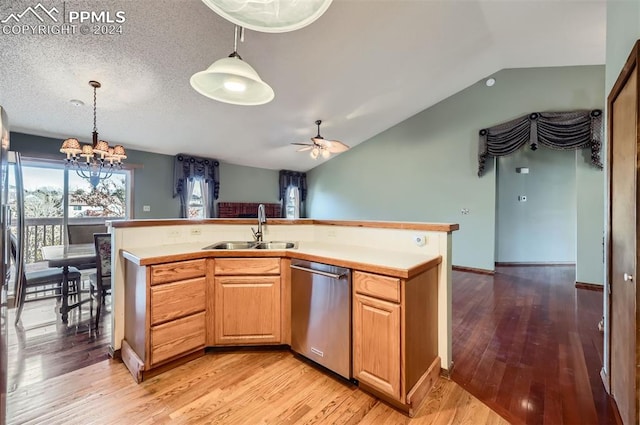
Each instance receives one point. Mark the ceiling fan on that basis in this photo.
(321, 146)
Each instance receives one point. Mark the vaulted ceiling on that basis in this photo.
(362, 67)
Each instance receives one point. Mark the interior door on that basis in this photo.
(623, 137)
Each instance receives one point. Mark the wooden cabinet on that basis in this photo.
(247, 306)
(164, 314)
(376, 344)
(395, 343)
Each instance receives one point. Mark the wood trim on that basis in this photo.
(186, 222)
(172, 364)
(210, 338)
(132, 361)
(590, 286)
(435, 227)
(285, 303)
(421, 389)
(624, 75)
(473, 270)
(534, 264)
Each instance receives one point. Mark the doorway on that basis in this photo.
(536, 207)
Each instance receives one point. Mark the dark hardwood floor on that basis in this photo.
(526, 343)
(41, 347)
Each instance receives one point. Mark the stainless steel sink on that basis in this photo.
(275, 245)
(252, 245)
(232, 245)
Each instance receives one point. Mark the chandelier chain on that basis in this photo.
(95, 128)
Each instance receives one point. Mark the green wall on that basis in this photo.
(153, 178)
(523, 229)
(425, 168)
(623, 29)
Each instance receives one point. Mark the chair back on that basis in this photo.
(102, 243)
(83, 233)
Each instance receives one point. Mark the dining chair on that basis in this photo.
(83, 233)
(33, 284)
(101, 279)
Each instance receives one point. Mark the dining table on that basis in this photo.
(65, 256)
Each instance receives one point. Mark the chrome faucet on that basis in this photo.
(262, 219)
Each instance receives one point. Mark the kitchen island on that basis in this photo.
(173, 299)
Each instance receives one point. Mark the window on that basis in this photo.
(47, 184)
(292, 202)
(196, 203)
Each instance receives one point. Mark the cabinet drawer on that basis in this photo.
(178, 337)
(181, 270)
(377, 286)
(247, 266)
(178, 299)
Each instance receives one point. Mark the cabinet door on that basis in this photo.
(247, 309)
(376, 344)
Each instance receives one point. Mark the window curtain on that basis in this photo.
(187, 169)
(297, 179)
(555, 130)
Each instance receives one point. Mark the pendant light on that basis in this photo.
(270, 15)
(232, 80)
(100, 159)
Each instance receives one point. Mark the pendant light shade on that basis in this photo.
(270, 15)
(232, 80)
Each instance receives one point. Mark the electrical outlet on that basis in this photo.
(146, 208)
(464, 211)
(196, 231)
(173, 233)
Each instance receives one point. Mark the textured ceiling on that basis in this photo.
(364, 66)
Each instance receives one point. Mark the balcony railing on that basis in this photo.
(47, 231)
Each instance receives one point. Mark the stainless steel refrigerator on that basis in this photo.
(5, 214)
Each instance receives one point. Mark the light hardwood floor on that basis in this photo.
(245, 387)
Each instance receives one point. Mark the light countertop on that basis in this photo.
(392, 263)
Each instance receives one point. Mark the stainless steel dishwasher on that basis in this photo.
(321, 314)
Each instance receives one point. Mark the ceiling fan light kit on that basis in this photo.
(321, 147)
(232, 80)
(270, 15)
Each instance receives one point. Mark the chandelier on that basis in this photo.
(100, 159)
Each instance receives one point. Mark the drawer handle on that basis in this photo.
(327, 274)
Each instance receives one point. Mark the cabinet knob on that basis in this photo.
(628, 277)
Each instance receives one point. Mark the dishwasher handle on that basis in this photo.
(327, 274)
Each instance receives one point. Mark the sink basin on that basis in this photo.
(252, 245)
(275, 245)
(232, 245)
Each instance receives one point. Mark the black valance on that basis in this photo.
(556, 130)
(293, 178)
(191, 167)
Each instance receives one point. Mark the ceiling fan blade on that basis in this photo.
(302, 144)
(335, 146)
(304, 148)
